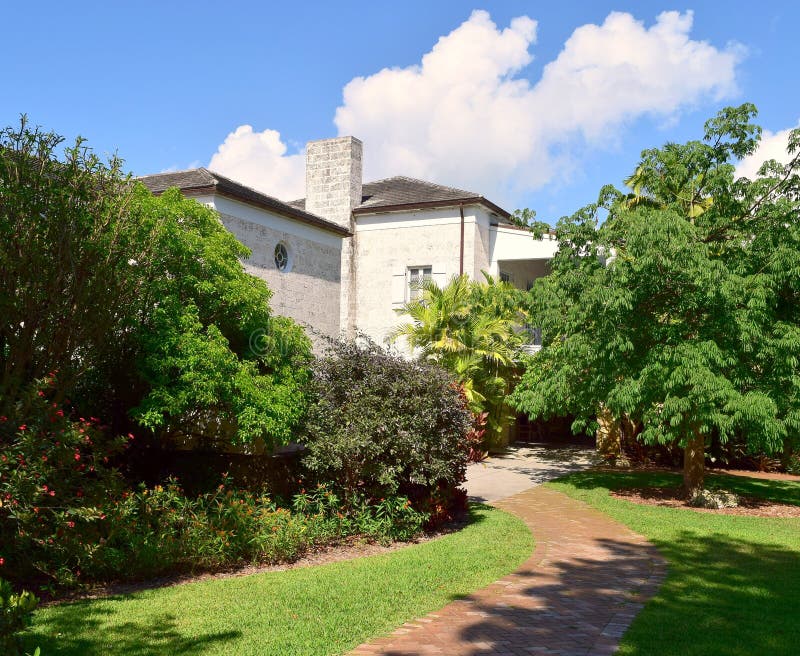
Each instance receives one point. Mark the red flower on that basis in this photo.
(60, 413)
(3, 418)
(71, 524)
(2, 561)
(52, 493)
(77, 456)
(40, 393)
(23, 427)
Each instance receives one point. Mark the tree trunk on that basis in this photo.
(694, 463)
(786, 453)
(608, 438)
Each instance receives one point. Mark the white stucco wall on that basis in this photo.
(518, 244)
(310, 291)
(388, 244)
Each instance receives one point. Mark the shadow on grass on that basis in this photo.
(732, 591)
(66, 630)
(564, 609)
(777, 491)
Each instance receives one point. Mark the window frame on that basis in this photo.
(425, 270)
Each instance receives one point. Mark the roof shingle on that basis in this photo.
(402, 192)
(201, 180)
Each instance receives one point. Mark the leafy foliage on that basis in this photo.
(140, 303)
(56, 478)
(66, 516)
(380, 425)
(472, 329)
(679, 311)
(211, 354)
(16, 613)
(526, 218)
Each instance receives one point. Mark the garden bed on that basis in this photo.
(350, 548)
(669, 497)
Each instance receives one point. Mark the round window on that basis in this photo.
(282, 261)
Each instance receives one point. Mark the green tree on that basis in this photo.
(140, 303)
(472, 329)
(680, 310)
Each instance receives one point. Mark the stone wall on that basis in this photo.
(387, 244)
(333, 178)
(333, 189)
(309, 292)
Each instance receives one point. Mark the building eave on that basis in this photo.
(432, 204)
(279, 208)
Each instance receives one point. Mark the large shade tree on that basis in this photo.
(677, 306)
(140, 304)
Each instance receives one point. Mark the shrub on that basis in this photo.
(714, 499)
(142, 303)
(16, 611)
(380, 425)
(56, 476)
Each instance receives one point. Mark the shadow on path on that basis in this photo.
(585, 582)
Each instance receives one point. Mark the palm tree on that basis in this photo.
(463, 328)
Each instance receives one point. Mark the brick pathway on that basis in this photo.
(587, 579)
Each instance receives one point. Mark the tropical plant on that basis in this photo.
(472, 329)
(691, 328)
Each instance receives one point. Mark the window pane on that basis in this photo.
(416, 276)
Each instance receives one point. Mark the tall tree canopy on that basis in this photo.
(677, 306)
(140, 303)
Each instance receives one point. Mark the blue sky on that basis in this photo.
(171, 85)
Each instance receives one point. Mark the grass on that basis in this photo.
(326, 609)
(733, 587)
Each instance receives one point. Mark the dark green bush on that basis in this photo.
(16, 611)
(380, 425)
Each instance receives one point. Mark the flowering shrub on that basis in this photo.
(391, 518)
(66, 516)
(56, 477)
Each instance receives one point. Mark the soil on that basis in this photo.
(676, 498)
(350, 549)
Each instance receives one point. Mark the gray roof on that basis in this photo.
(202, 181)
(401, 192)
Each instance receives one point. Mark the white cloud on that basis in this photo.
(259, 160)
(466, 115)
(773, 145)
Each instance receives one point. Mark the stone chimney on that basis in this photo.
(333, 178)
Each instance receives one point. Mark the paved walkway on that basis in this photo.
(586, 580)
(524, 466)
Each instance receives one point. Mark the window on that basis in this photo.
(281, 256)
(416, 276)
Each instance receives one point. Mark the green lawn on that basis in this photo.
(734, 582)
(326, 609)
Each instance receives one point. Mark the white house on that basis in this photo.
(345, 257)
